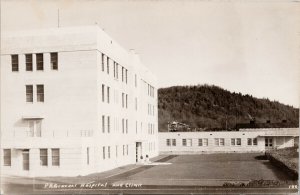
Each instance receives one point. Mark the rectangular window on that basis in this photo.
(216, 141)
(232, 141)
(103, 152)
(116, 151)
(117, 71)
(222, 142)
(200, 142)
(238, 141)
(28, 59)
(107, 63)
(55, 157)
(205, 142)
(108, 124)
(122, 100)
(123, 126)
(126, 71)
(39, 61)
(54, 61)
(122, 74)
(102, 62)
(183, 142)
(88, 155)
(40, 93)
(103, 124)
(103, 89)
(189, 142)
(123, 150)
(114, 69)
(7, 157)
(15, 63)
(135, 103)
(108, 152)
(255, 141)
(168, 142)
(127, 151)
(173, 142)
(29, 93)
(126, 126)
(126, 100)
(249, 142)
(44, 157)
(108, 94)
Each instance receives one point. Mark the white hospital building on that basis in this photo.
(73, 102)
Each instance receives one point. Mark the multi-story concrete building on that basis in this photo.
(73, 102)
(247, 140)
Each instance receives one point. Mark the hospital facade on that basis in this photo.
(242, 141)
(73, 102)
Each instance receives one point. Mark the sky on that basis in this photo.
(243, 46)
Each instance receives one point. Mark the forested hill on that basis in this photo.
(205, 106)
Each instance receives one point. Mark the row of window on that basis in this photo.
(55, 155)
(107, 125)
(39, 93)
(105, 61)
(106, 152)
(150, 128)
(150, 109)
(29, 61)
(150, 90)
(217, 142)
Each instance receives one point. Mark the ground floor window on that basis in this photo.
(236, 141)
(252, 142)
(7, 157)
(44, 157)
(173, 142)
(168, 142)
(55, 157)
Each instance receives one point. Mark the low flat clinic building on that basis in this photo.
(246, 140)
(73, 102)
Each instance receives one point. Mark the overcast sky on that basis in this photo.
(245, 46)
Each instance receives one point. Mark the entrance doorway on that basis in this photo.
(25, 154)
(138, 151)
(269, 142)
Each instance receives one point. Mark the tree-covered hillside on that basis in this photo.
(205, 106)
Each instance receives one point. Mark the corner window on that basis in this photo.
(54, 61)
(14, 63)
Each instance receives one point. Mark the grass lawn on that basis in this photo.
(214, 166)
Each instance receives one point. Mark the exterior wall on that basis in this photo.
(72, 110)
(279, 141)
